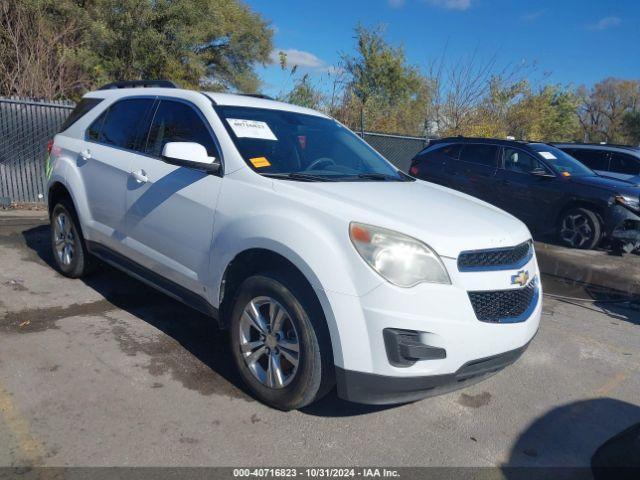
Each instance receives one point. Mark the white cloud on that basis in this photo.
(395, 3)
(605, 23)
(531, 16)
(451, 4)
(296, 57)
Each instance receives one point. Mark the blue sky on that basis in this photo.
(575, 41)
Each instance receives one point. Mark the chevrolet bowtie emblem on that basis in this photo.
(521, 278)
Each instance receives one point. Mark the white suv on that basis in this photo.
(327, 264)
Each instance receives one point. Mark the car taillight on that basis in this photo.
(414, 170)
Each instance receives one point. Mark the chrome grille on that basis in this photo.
(506, 258)
(505, 306)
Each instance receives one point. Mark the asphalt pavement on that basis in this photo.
(106, 371)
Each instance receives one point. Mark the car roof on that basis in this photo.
(609, 147)
(225, 99)
(493, 141)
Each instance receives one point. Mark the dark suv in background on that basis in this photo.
(618, 161)
(540, 184)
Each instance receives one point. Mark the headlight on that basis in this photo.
(398, 258)
(629, 202)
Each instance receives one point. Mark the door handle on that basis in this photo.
(140, 176)
(85, 154)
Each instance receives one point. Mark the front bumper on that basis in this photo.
(622, 225)
(443, 318)
(381, 389)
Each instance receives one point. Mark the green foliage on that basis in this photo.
(549, 114)
(604, 107)
(631, 127)
(305, 94)
(194, 42)
(381, 86)
(198, 43)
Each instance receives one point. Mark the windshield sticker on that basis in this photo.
(548, 155)
(260, 162)
(251, 129)
(566, 174)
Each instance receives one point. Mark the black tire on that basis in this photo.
(579, 228)
(80, 262)
(314, 375)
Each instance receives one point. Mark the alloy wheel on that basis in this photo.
(576, 230)
(269, 342)
(64, 238)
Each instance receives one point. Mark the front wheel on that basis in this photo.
(580, 228)
(280, 342)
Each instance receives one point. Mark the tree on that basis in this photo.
(603, 107)
(379, 74)
(212, 43)
(80, 44)
(39, 47)
(550, 114)
(471, 96)
(305, 94)
(631, 127)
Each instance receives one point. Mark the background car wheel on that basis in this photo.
(69, 250)
(580, 228)
(280, 342)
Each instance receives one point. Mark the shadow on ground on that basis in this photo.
(210, 368)
(602, 433)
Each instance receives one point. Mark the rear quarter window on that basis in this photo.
(82, 108)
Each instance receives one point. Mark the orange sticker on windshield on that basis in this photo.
(260, 162)
(566, 174)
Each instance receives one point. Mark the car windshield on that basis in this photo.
(562, 162)
(297, 146)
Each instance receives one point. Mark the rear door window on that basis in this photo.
(480, 154)
(623, 163)
(594, 159)
(123, 124)
(178, 122)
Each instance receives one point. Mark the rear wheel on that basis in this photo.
(67, 243)
(279, 342)
(580, 228)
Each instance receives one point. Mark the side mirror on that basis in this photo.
(542, 173)
(190, 155)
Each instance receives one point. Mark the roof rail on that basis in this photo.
(139, 84)
(473, 139)
(598, 144)
(256, 95)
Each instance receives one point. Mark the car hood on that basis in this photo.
(446, 220)
(611, 184)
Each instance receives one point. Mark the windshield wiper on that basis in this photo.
(383, 177)
(305, 177)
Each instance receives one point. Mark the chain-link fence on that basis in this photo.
(398, 149)
(26, 126)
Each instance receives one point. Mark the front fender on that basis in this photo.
(329, 263)
(325, 256)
